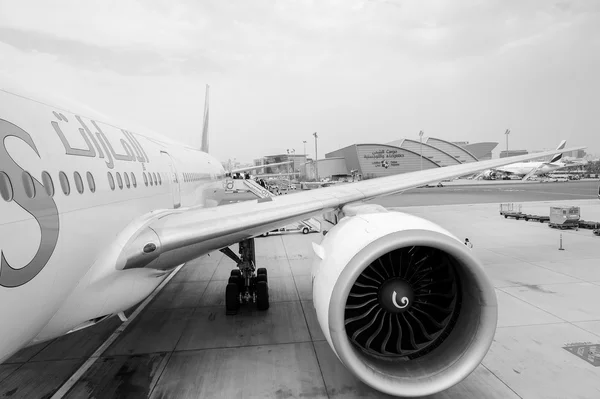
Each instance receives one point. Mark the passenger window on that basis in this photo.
(119, 180)
(111, 181)
(159, 179)
(78, 182)
(48, 183)
(91, 182)
(133, 179)
(28, 184)
(145, 179)
(6, 190)
(64, 183)
(126, 176)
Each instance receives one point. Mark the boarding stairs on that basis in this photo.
(256, 189)
(531, 173)
(250, 185)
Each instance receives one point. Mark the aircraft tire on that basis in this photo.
(236, 273)
(262, 295)
(232, 302)
(261, 277)
(261, 270)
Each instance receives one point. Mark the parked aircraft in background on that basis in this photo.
(93, 217)
(529, 169)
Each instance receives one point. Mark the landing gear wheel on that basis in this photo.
(305, 230)
(261, 270)
(232, 301)
(262, 295)
(236, 273)
(237, 280)
(261, 277)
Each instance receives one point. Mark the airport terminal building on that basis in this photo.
(401, 156)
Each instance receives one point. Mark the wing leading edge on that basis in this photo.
(181, 235)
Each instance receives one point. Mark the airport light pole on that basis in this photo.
(316, 157)
(421, 147)
(304, 142)
(507, 132)
(293, 164)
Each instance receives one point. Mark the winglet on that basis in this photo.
(204, 147)
(558, 157)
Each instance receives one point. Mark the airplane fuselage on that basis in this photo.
(523, 168)
(72, 189)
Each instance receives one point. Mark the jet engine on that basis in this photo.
(403, 303)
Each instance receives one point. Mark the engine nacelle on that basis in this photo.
(403, 303)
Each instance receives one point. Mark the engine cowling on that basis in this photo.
(404, 304)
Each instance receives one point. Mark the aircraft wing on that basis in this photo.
(244, 169)
(176, 236)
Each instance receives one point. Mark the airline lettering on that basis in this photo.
(100, 143)
(42, 208)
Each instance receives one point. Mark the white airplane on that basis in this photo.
(528, 169)
(93, 217)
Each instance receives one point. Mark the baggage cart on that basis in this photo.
(510, 208)
(564, 217)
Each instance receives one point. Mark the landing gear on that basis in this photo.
(232, 301)
(262, 295)
(246, 284)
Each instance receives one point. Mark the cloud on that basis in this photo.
(132, 60)
(350, 69)
(106, 23)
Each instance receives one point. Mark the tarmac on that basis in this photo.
(181, 345)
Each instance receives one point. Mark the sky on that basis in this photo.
(354, 71)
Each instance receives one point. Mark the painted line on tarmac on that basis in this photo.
(66, 387)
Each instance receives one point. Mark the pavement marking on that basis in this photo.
(66, 387)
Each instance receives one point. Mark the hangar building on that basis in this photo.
(400, 156)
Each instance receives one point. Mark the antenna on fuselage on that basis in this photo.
(204, 146)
